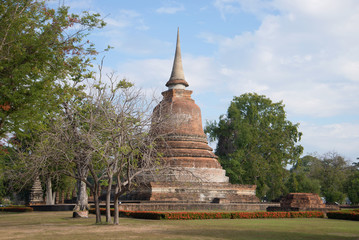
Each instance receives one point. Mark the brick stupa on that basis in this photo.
(36, 194)
(194, 173)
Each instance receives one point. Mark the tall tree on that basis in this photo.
(39, 47)
(332, 170)
(256, 142)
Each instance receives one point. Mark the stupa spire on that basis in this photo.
(177, 79)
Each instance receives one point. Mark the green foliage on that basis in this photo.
(299, 179)
(256, 142)
(353, 188)
(63, 183)
(40, 50)
(301, 183)
(326, 175)
(6, 154)
(332, 171)
(334, 177)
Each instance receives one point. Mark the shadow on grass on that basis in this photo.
(249, 234)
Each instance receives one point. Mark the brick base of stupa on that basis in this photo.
(196, 192)
(194, 206)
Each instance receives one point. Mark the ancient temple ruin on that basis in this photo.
(36, 194)
(194, 173)
(302, 202)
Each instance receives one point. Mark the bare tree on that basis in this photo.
(125, 142)
(104, 135)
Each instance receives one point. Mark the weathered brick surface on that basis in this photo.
(198, 192)
(180, 112)
(185, 144)
(191, 161)
(302, 200)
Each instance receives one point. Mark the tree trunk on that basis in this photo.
(116, 218)
(54, 198)
(116, 214)
(82, 198)
(97, 205)
(115, 210)
(108, 200)
(49, 196)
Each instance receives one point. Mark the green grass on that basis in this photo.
(60, 225)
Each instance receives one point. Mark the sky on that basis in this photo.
(302, 52)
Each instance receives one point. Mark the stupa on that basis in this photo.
(194, 173)
(36, 194)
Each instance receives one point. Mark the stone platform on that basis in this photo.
(197, 192)
(195, 206)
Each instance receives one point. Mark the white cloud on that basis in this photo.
(227, 6)
(171, 8)
(258, 7)
(306, 53)
(297, 55)
(126, 19)
(339, 137)
(126, 32)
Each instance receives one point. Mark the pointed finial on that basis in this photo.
(177, 79)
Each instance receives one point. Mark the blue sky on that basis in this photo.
(302, 52)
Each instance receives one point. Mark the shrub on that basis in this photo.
(248, 215)
(16, 209)
(345, 215)
(213, 215)
(195, 215)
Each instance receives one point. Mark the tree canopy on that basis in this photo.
(256, 142)
(300, 178)
(39, 47)
(353, 187)
(329, 175)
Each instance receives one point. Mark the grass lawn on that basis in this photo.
(60, 225)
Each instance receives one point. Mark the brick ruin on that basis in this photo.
(194, 173)
(302, 202)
